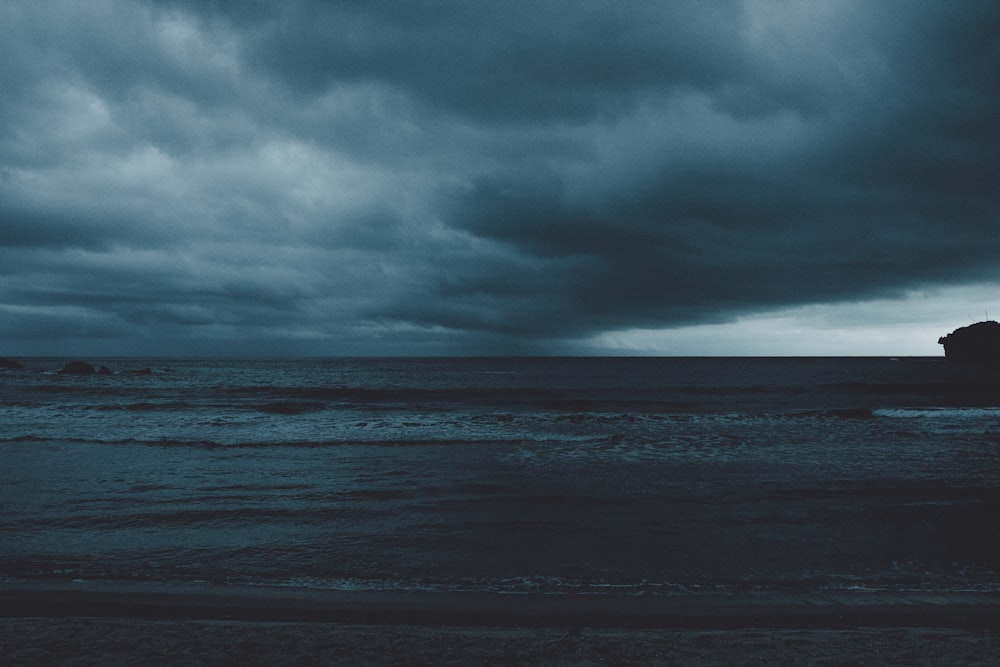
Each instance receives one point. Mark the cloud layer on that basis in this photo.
(430, 177)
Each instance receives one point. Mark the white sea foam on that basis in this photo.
(939, 413)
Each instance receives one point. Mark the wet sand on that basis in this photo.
(115, 641)
(85, 627)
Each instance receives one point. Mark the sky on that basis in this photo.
(441, 177)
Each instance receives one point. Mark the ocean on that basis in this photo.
(796, 477)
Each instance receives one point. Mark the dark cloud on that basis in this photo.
(510, 62)
(471, 177)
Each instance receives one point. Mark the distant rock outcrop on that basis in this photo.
(977, 343)
(9, 363)
(77, 368)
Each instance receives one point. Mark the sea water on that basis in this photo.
(567, 476)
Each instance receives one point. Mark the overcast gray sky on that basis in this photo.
(457, 177)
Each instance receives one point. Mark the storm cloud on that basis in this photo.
(482, 177)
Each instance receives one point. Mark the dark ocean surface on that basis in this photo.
(675, 476)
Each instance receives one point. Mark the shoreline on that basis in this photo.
(76, 641)
(44, 625)
(955, 610)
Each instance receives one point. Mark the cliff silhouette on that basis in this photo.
(977, 343)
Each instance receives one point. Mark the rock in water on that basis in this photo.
(977, 343)
(9, 363)
(77, 368)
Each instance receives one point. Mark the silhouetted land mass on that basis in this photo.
(77, 368)
(9, 363)
(977, 343)
(83, 368)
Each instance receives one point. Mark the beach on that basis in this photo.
(43, 627)
(119, 641)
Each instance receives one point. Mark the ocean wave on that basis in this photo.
(291, 407)
(194, 517)
(146, 406)
(507, 403)
(283, 444)
(940, 413)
